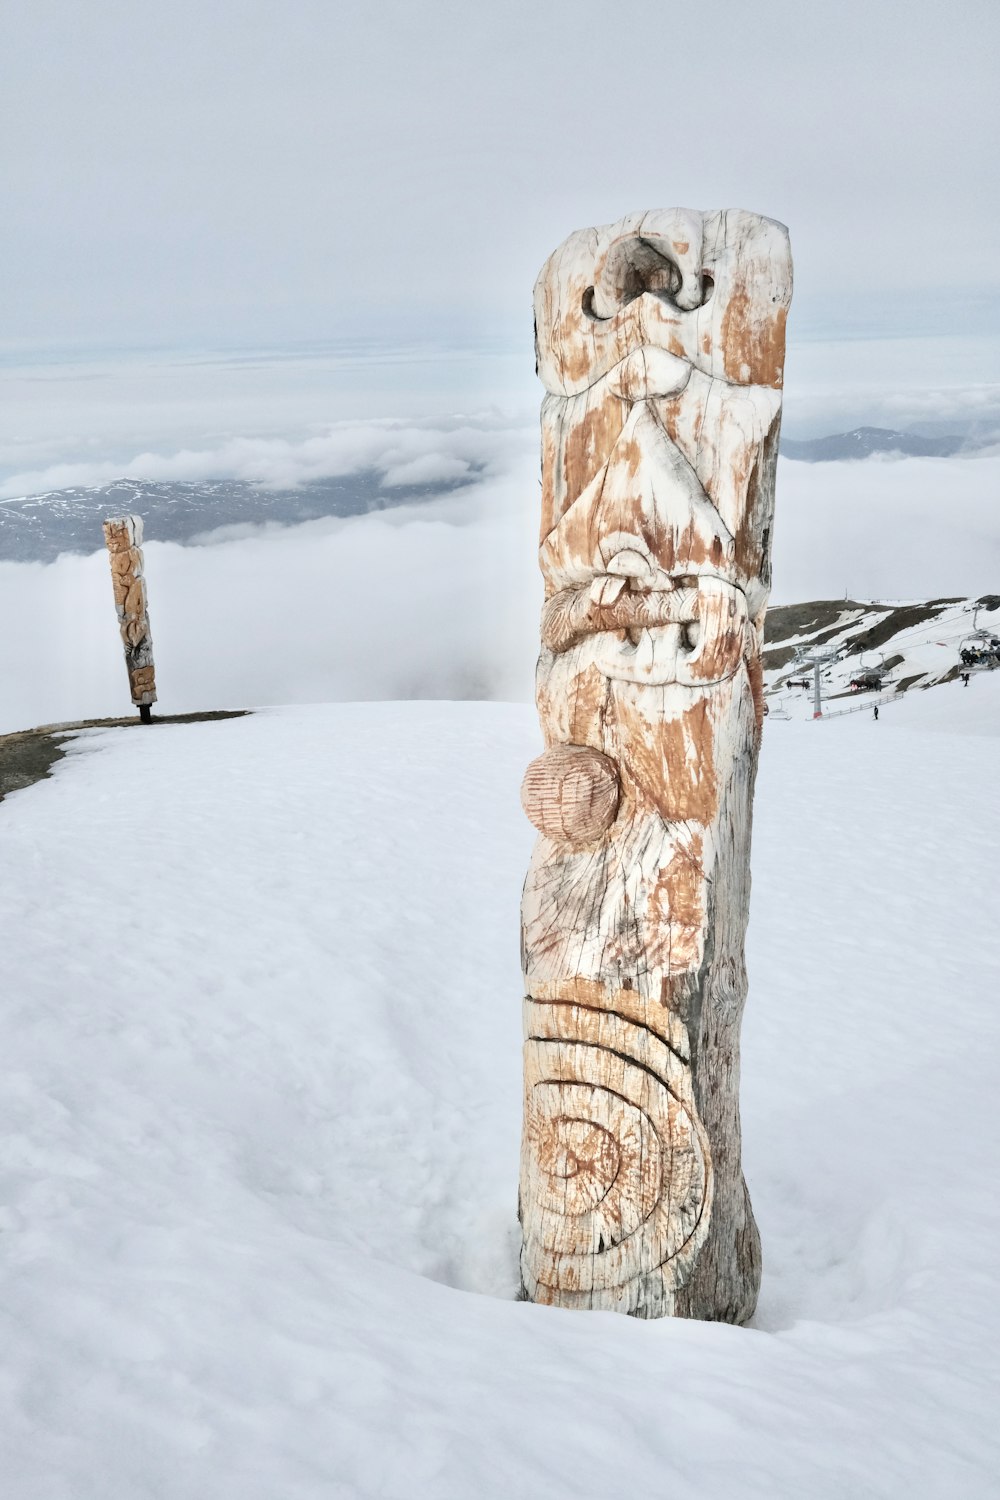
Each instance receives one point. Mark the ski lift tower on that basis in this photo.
(816, 661)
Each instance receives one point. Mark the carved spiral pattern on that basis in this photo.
(615, 1169)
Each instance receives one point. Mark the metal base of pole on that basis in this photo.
(145, 713)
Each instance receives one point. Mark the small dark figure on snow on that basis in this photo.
(965, 679)
(876, 710)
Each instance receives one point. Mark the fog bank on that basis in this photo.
(441, 600)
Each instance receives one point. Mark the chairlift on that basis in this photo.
(870, 677)
(979, 651)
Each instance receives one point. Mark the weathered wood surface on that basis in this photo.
(123, 537)
(660, 341)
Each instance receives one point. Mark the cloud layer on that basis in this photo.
(404, 453)
(441, 600)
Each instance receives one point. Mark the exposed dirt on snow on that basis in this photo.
(29, 756)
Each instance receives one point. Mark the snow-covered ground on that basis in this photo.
(260, 1109)
(919, 646)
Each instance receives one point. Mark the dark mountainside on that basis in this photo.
(863, 442)
(901, 645)
(39, 527)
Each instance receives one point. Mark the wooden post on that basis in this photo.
(660, 342)
(123, 536)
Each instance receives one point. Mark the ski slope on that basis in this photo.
(909, 644)
(260, 1109)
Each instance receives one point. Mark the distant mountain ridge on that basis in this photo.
(37, 528)
(864, 442)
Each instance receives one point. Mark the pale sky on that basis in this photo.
(240, 170)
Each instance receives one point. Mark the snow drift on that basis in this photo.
(260, 1107)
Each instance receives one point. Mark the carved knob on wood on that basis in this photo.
(571, 793)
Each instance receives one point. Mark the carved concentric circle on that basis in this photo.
(589, 1149)
(615, 1173)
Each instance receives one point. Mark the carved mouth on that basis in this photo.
(655, 655)
(646, 637)
(603, 607)
(693, 632)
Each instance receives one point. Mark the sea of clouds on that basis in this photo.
(431, 600)
(438, 599)
(413, 452)
(284, 415)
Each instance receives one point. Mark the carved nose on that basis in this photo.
(667, 266)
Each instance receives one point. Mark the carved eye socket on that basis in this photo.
(623, 279)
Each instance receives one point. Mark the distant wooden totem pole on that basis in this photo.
(660, 342)
(123, 536)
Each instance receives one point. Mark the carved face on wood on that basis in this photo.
(660, 341)
(123, 538)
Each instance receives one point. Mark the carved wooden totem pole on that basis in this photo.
(660, 342)
(123, 536)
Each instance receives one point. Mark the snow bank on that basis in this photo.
(260, 1113)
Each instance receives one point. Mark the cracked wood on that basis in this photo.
(123, 538)
(660, 343)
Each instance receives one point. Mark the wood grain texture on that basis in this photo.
(571, 794)
(660, 342)
(123, 538)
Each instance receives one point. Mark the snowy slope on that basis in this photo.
(901, 645)
(260, 1111)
